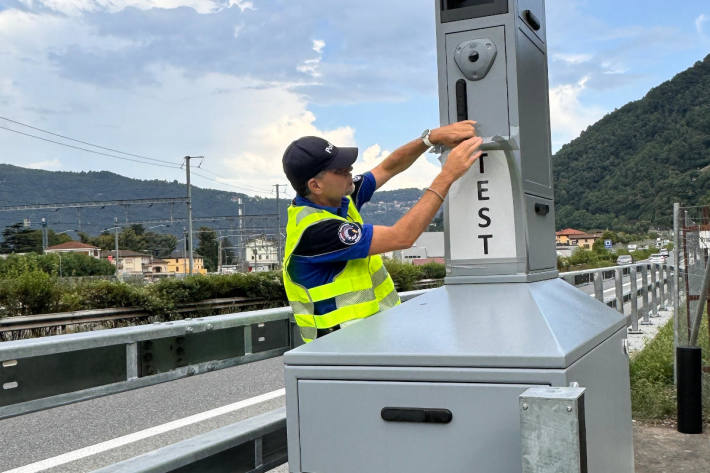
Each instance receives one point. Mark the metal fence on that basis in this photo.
(51, 371)
(693, 243)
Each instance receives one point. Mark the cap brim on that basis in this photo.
(345, 158)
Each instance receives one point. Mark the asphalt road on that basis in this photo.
(43, 435)
(56, 440)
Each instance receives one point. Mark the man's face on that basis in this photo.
(336, 183)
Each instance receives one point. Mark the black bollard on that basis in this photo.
(690, 389)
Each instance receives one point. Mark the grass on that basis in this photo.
(653, 395)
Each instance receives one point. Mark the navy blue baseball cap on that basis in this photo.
(307, 156)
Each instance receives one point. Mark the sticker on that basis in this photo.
(349, 233)
(357, 178)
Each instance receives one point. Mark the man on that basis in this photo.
(333, 274)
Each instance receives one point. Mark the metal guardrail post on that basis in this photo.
(598, 286)
(644, 295)
(553, 430)
(619, 286)
(634, 301)
(663, 277)
(654, 292)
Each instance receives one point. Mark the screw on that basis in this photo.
(569, 408)
(525, 406)
(473, 57)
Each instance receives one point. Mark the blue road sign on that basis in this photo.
(607, 244)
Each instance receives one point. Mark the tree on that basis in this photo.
(17, 239)
(207, 248)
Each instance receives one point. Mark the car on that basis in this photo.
(624, 259)
(657, 258)
(631, 247)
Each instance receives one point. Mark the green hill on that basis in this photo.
(22, 186)
(625, 171)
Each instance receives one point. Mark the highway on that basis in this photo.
(88, 435)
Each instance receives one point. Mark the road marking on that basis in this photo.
(143, 434)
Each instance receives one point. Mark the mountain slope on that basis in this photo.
(625, 171)
(22, 186)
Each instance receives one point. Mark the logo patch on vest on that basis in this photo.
(357, 178)
(349, 233)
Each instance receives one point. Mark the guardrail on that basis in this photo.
(39, 373)
(14, 325)
(62, 319)
(50, 371)
(655, 288)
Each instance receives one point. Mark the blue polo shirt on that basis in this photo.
(326, 247)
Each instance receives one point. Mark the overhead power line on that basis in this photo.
(86, 142)
(240, 187)
(90, 150)
(108, 203)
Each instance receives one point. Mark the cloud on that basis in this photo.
(699, 21)
(568, 116)
(312, 66)
(419, 175)
(52, 165)
(78, 7)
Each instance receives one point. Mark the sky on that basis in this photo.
(236, 81)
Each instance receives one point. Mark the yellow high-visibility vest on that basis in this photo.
(362, 288)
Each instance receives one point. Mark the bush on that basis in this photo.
(33, 292)
(404, 275)
(433, 270)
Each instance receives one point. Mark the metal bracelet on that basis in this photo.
(435, 192)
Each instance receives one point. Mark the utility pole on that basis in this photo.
(45, 239)
(189, 207)
(278, 224)
(184, 250)
(115, 223)
(219, 254)
(239, 243)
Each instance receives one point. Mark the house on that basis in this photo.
(178, 263)
(262, 254)
(129, 261)
(75, 247)
(428, 248)
(563, 236)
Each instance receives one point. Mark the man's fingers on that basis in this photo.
(472, 159)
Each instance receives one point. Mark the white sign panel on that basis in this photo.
(481, 219)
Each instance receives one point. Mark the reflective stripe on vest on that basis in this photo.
(362, 288)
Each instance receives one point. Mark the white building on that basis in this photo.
(262, 254)
(429, 246)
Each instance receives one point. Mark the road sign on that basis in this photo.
(607, 244)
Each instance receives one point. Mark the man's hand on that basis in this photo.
(461, 158)
(452, 135)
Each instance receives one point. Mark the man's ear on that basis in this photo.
(313, 186)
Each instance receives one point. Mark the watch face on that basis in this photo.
(425, 133)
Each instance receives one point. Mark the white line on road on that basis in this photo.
(136, 436)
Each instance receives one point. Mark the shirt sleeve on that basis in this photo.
(364, 188)
(334, 240)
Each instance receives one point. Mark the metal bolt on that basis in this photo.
(210, 326)
(525, 406)
(188, 330)
(473, 57)
(569, 408)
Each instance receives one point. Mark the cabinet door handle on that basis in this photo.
(531, 20)
(416, 414)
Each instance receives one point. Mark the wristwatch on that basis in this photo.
(425, 138)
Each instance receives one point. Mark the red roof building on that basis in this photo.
(75, 247)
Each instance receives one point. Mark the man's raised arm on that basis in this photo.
(404, 156)
(405, 232)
